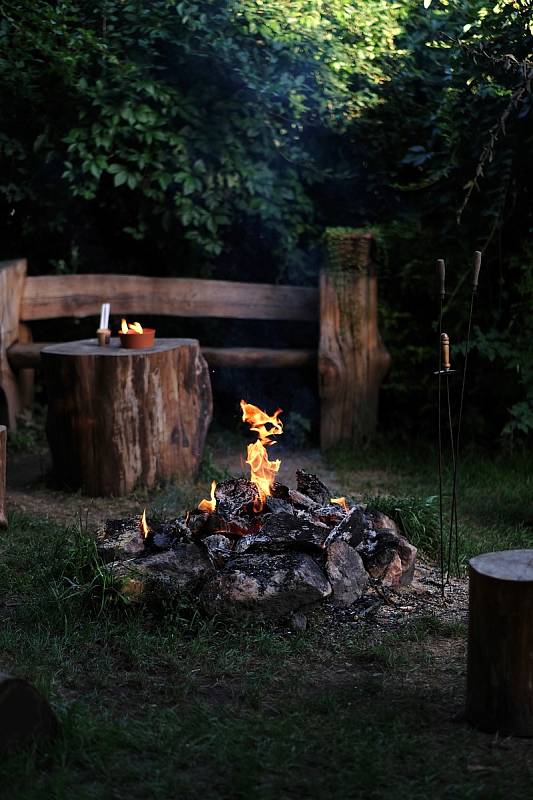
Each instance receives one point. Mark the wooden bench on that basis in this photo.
(350, 356)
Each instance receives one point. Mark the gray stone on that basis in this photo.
(298, 621)
(268, 584)
(218, 549)
(346, 573)
(388, 557)
(184, 568)
(120, 539)
(311, 486)
(380, 521)
(352, 528)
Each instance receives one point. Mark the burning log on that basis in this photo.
(119, 417)
(257, 545)
(284, 531)
(236, 497)
(311, 486)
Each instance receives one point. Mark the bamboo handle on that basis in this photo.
(445, 345)
(477, 267)
(442, 275)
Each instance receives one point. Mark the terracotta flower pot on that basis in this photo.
(137, 341)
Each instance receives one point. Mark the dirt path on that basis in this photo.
(29, 492)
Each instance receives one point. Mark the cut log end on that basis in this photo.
(25, 715)
(500, 643)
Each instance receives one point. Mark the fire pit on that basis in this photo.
(258, 545)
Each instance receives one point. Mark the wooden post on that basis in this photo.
(500, 643)
(3, 462)
(118, 418)
(25, 715)
(12, 277)
(352, 358)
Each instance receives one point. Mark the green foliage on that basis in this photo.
(185, 120)
(202, 135)
(416, 517)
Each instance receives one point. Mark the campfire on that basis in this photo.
(259, 545)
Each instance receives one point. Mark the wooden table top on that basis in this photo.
(506, 565)
(90, 347)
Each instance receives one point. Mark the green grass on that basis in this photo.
(162, 703)
(495, 491)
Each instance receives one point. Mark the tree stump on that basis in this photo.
(25, 715)
(118, 418)
(352, 360)
(3, 445)
(500, 643)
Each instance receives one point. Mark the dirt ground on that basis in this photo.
(29, 489)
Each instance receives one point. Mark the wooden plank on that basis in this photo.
(3, 448)
(52, 296)
(12, 279)
(261, 357)
(25, 356)
(352, 360)
(22, 356)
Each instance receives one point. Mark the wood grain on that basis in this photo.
(352, 359)
(500, 643)
(119, 418)
(22, 356)
(52, 296)
(12, 279)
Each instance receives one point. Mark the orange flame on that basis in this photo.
(209, 505)
(341, 501)
(262, 471)
(132, 327)
(145, 528)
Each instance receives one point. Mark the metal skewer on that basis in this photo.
(453, 515)
(441, 267)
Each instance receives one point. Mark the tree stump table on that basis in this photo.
(500, 643)
(118, 418)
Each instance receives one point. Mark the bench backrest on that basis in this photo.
(52, 296)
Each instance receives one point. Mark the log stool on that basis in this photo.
(118, 417)
(500, 643)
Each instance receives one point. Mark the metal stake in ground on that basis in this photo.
(441, 267)
(446, 370)
(453, 514)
